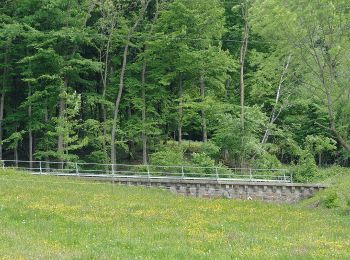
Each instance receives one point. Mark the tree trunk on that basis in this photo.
(180, 108)
(61, 115)
(30, 134)
(104, 76)
(2, 103)
(117, 102)
(47, 165)
(131, 143)
(320, 159)
(340, 139)
(204, 120)
(144, 136)
(121, 83)
(274, 114)
(327, 91)
(243, 52)
(143, 87)
(15, 154)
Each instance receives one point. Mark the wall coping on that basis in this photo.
(208, 181)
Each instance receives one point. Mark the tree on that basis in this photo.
(316, 33)
(138, 19)
(317, 145)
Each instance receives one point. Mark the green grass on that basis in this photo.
(337, 196)
(51, 217)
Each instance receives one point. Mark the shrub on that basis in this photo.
(306, 169)
(330, 200)
(202, 160)
(169, 156)
(267, 161)
(210, 149)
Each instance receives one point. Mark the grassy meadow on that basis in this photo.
(45, 217)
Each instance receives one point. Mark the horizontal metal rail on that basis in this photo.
(149, 171)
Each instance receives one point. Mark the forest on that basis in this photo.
(237, 83)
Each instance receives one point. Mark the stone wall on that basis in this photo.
(266, 191)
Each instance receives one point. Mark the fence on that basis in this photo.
(149, 171)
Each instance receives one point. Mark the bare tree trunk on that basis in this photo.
(104, 141)
(2, 103)
(204, 120)
(103, 108)
(47, 166)
(30, 134)
(333, 127)
(104, 76)
(117, 102)
(320, 159)
(121, 82)
(144, 109)
(275, 114)
(61, 115)
(180, 108)
(131, 143)
(144, 136)
(327, 91)
(243, 52)
(340, 139)
(15, 154)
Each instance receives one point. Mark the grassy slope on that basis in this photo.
(48, 217)
(337, 195)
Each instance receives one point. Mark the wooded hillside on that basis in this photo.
(240, 83)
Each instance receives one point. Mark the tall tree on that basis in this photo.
(316, 33)
(138, 19)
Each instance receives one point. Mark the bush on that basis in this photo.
(169, 156)
(210, 149)
(267, 161)
(202, 160)
(306, 169)
(330, 200)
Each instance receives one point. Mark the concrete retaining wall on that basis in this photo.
(266, 191)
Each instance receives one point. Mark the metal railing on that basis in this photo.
(149, 171)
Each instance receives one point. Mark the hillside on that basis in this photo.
(235, 83)
(337, 196)
(51, 217)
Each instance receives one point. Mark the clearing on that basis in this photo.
(56, 217)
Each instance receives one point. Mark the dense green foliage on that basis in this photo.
(55, 217)
(259, 83)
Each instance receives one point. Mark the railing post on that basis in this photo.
(3, 164)
(217, 173)
(182, 172)
(291, 177)
(40, 167)
(250, 174)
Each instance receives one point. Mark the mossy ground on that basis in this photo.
(54, 217)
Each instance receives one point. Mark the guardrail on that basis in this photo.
(149, 171)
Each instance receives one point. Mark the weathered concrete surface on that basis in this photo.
(266, 191)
